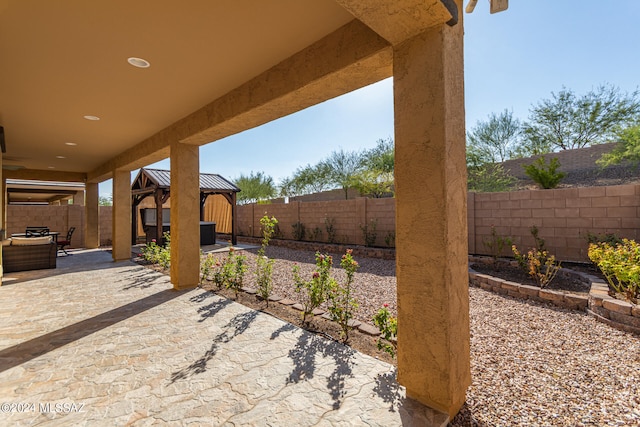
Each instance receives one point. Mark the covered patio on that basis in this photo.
(85, 102)
(108, 348)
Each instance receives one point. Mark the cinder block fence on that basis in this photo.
(564, 217)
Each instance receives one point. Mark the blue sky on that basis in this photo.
(513, 59)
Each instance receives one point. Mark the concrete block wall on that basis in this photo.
(105, 221)
(564, 217)
(570, 160)
(347, 217)
(56, 218)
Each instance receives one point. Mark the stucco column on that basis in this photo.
(78, 198)
(185, 215)
(121, 234)
(3, 213)
(4, 200)
(91, 212)
(431, 218)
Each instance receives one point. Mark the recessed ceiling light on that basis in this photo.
(138, 62)
(60, 157)
(51, 167)
(92, 117)
(71, 144)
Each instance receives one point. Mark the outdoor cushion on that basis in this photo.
(30, 241)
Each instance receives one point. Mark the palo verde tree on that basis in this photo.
(309, 179)
(343, 166)
(567, 121)
(628, 148)
(375, 177)
(255, 187)
(494, 140)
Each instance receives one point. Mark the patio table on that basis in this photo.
(54, 235)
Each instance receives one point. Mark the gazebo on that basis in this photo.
(157, 182)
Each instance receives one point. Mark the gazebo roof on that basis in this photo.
(151, 179)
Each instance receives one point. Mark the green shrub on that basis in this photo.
(264, 265)
(388, 326)
(298, 231)
(620, 264)
(207, 266)
(316, 234)
(495, 244)
(316, 289)
(331, 230)
(538, 263)
(369, 232)
(543, 174)
(156, 254)
(390, 239)
(489, 178)
(342, 305)
(233, 271)
(610, 238)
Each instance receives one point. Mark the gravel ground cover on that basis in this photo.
(532, 364)
(374, 285)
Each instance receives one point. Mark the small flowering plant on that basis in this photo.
(233, 271)
(538, 264)
(315, 290)
(156, 254)
(264, 265)
(388, 326)
(342, 305)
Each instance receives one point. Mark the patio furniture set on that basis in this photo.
(37, 248)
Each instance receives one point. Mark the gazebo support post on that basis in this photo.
(234, 222)
(159, 218)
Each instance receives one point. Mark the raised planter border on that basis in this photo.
(616, 313)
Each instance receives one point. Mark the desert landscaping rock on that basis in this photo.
(531, 363)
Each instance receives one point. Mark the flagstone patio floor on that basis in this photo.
(97, 342)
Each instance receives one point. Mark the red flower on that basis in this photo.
(349, 251)
(153, 240)
(316, 275)
(385, 305)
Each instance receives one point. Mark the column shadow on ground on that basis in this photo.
(23, 352)
(303, 355)
(236, 326)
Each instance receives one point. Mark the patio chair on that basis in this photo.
(66, 241)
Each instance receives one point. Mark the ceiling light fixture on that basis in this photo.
(93, 118)
(51, 167)
(139, 62)
(70, 144)
(60, 157)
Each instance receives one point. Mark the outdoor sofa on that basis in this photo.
(33, 253)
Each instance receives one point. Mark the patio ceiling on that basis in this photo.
(65, 60)
(40, 192)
